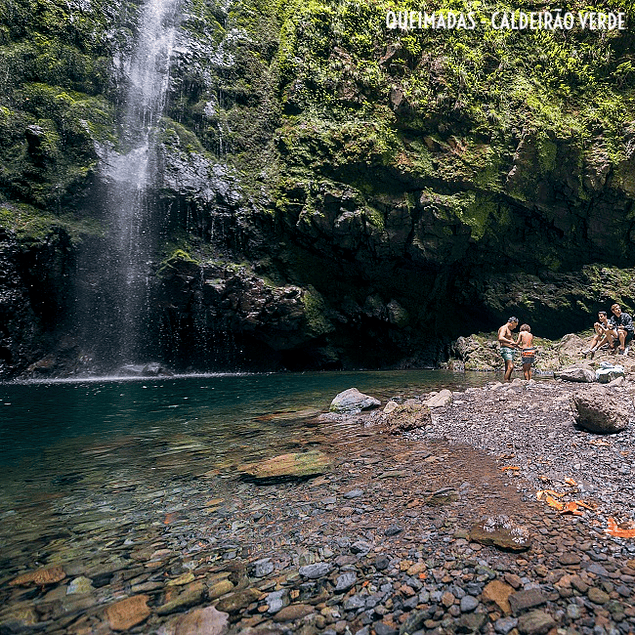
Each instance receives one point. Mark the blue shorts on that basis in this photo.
(507, 353)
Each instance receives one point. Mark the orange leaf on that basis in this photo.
(614, 529)
(550, 500)
(548, 492)
(586, 505)
(570, 481)
(572, 508)
(509, 467)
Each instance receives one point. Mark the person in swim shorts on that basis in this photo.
(527, 349)
(507, 345)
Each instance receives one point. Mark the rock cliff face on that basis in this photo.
(333, 193)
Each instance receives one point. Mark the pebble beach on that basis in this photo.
(499, 515)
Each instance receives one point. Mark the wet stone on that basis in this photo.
(293, 612)
(127, 613)
(523, 600)
(468, 603)
(315, 571)
(535, 623)
(189, 597)
(597, 596)
(345, 581)
(505, 624)
(471, 623)
(207, 621)
(567, 559)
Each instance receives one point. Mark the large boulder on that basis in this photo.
(577, 374)
(352, 401)
(596, 409)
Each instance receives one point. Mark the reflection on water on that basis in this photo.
(83, 461)
(219, 410)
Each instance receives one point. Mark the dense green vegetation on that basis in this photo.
(385, 172)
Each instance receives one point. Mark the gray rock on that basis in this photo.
(505, 625)
(354, 493)
(345, 581)
(317, 570)
(596, 409)
(354, 602)
(352, 401)
(442, 399)
(361, 547)
(263, 567)
(526, 599)
(468, 603)
(577, 374)
(384, 629)
(277, 600)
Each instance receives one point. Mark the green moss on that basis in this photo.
(314, 312)
(32, 225)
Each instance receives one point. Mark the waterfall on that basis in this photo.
(118, 312)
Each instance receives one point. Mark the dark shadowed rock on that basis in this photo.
(596, 409)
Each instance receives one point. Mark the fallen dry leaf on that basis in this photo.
(509, 467)
(572, 508)
(550, 500)
(550, 492)
(620, 531)
(570, 481)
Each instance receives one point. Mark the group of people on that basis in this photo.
(524, 342)
(617, 332)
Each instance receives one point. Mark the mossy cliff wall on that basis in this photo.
(335, 193)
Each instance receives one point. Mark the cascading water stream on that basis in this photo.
(120, 275)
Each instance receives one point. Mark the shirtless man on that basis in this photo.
(507, 345)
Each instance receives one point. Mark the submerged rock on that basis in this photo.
(295, 465)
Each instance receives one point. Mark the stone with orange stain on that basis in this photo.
(127, 613)
(208, 621)
(41, 577)
(498, 592)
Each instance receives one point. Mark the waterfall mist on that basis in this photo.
(113, 301)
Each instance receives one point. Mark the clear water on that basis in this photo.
(218, 409)
(87, 465)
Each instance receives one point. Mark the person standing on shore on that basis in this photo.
(507, 345)
(527, 349)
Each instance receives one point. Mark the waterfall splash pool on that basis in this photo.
(87, 465)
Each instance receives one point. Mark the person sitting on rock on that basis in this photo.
(527, 349)
(623, 323)
(604, 334)
(507, 345)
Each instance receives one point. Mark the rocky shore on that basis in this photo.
(486, 511)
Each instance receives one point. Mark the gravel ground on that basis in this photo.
(531, 425)
(393, 539)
